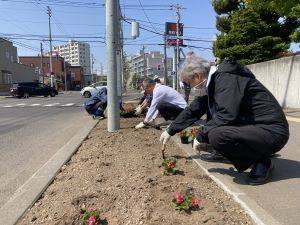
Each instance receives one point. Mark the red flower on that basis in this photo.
(92, 220)
(195, 202)
(179, 198)
(171, 165)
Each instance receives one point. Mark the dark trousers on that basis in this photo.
(245, 145)
(168, 111)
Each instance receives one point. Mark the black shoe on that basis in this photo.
(260, 173)
(214, 156)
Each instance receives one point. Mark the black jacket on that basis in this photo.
(234, 97)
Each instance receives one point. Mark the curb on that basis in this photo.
(256, 213)
(34, 187)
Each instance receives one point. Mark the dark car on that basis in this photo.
(26, 89)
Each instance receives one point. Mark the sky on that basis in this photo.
(79, 18)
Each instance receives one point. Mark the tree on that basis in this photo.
(127, 70)
(251, 34)
(285, 8)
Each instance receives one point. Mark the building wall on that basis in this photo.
(77, 79)
(35, 63)
(150, 61)
(10, 70)
(77, 54)
(282, 78)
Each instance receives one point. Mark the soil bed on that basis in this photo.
(121, 175)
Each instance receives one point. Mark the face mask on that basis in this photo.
(200, 89)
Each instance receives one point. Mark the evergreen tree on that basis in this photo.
(251, 34)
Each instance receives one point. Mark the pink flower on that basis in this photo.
(195, 202)
(179, 198)
(92, 220)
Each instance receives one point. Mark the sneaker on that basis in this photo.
(98, 117)
(214, 156)
(260, 173)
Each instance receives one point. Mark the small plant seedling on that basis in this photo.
(187, 202)
(91, 218)
(169, 166)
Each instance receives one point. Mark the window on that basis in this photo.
(48, 65)
(7, 78)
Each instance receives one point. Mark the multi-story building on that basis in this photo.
(150, 64)
(77, 54)
(75, 78)
(10, 70)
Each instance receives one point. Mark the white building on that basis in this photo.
(77, 54)
(150, 64)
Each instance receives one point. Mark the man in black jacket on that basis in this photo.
(245, 123)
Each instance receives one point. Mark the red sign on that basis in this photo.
(171, 29)
(173, 42)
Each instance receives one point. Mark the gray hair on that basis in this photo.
(193, 64)
(148, 82)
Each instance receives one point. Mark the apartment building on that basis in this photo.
(76, 53)
(150, 64)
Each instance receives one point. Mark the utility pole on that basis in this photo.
(65, 70)
(42, 68)
(113, 105)
(93, 68)
(50, 40)
(144, 61)
(165, 60)
(177, 51)
(177, 46)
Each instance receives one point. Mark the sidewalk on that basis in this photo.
(276, 202)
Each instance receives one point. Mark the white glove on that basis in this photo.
(138, 110)
(140, 125)
(198, 145)
(164, 137)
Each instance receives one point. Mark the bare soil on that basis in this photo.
(120, 174)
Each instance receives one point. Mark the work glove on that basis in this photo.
(197, 146)
(138, 111)
(164, 137)
(140, 125)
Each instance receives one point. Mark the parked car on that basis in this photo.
(27, 89)
(90, 90)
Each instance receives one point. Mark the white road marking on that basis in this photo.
(69, 104)
(7, 106)
(21, 104)
(35, 104)
(53, 104)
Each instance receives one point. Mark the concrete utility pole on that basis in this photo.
(144, 61)
(65, 70)
(178, 16)
(93, 68)
(42, 68)
(50, 40)
(113, 105)
(165, 60)
(177, 46)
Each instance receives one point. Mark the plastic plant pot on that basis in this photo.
(184, 140)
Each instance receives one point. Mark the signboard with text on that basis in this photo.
(173, 42)
(171, 29)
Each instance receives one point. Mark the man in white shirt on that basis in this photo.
(166, 101)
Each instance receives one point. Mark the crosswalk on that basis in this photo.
(55, 104)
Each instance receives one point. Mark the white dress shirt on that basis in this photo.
(163, 93)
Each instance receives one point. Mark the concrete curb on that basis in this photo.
(34, 187)
(256, 213)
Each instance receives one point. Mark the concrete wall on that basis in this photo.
(23, 73)
(282, 78)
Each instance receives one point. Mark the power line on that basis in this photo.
(147, 16)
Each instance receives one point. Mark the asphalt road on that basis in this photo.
(31, 132)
